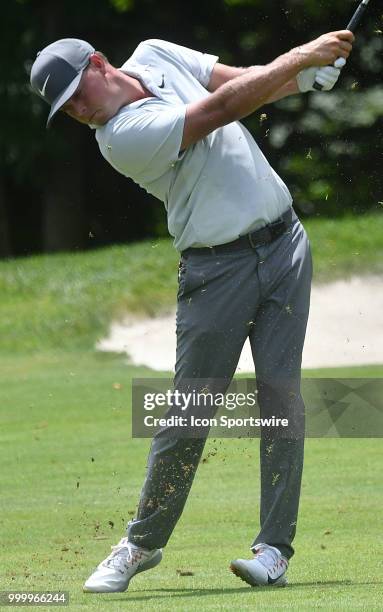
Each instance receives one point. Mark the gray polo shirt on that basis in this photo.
(217, 189)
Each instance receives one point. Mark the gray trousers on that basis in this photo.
(262, 293)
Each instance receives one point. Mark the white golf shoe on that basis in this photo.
(268, 568)
(115, 572)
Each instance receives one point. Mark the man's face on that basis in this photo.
(92, 102)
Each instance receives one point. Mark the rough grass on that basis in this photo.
(68, 300)
(346, 246)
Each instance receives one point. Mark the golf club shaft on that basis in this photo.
(353, 24)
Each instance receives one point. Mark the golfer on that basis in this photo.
(169, 120)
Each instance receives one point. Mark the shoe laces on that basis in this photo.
(270, 558)
(124, 555)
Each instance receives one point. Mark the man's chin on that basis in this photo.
(96, 124)
(98, 120)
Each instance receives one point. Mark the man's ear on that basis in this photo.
(97, 62)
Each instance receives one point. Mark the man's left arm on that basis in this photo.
(222, 73)
(327, 76)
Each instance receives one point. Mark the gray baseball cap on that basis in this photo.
(57, 71)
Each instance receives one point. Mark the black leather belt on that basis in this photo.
(253, 239)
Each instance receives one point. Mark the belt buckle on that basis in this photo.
(277, 228)
(250, 239)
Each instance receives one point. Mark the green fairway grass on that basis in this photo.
(70, 480)
(68, 300)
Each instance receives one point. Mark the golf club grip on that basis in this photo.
(356, 18)
(353, 24)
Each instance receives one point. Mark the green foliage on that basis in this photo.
(341, 131)
(122, 5)
(241, 2)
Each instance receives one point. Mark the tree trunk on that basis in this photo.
(63, 224)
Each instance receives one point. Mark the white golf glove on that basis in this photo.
(326, 76)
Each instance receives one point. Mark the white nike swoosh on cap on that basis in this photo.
(42, 91)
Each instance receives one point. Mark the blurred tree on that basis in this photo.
(56, 192)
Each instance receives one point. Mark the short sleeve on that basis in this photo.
(200, 65)
(144, 142)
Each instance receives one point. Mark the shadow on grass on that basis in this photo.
(190, 592)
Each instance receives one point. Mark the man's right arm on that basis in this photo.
(244, 94)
